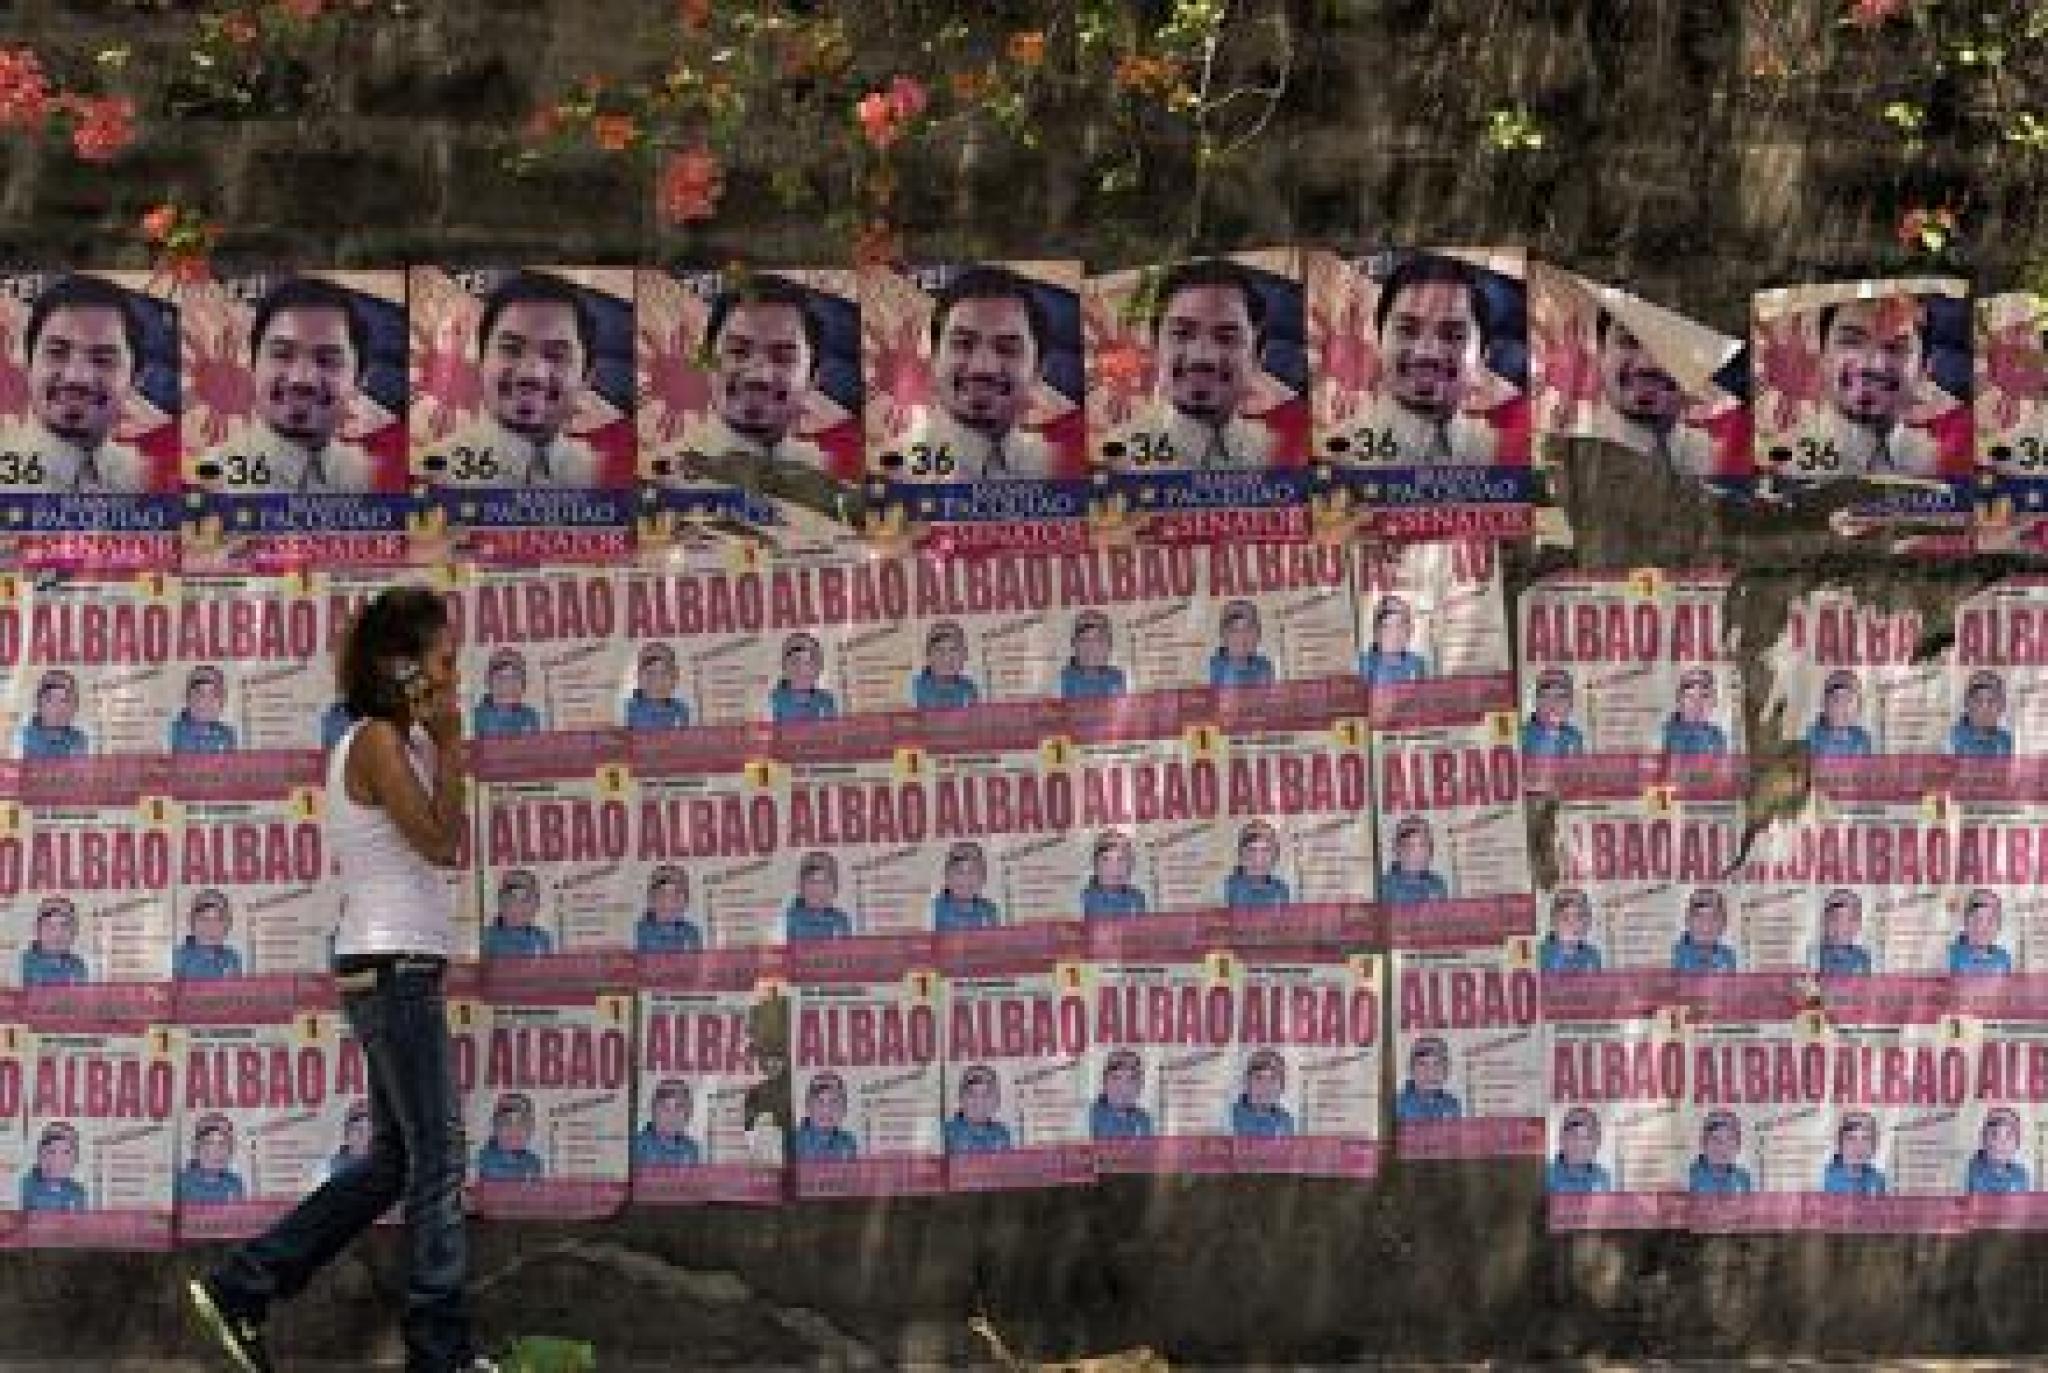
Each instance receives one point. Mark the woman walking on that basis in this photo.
(394, 825)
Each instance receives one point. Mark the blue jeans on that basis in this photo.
(395, 1006)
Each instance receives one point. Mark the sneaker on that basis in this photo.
(239, 1339)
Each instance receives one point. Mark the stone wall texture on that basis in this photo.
(1667, 165)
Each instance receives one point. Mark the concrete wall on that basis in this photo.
(1667, 166)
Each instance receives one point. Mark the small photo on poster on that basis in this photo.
(89, 406)
(750, 399)
(1614, 367)
(294, 423)
(522, 421)
(974, 384)
(1869, 380)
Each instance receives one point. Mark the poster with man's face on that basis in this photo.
(522, 426)
(750, 401)
(2012, 411)
(1421, 397)
(1198, 385)
(294, 421)
(1868, 381)
(974, 387)
(1612, 366)
(89, 401)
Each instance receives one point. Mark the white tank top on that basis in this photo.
(392, 899)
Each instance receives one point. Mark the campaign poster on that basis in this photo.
(736, 656)
(1888, 1155)
(1877, 715)
(257, 1133)
(560, 882)
(702, 1129)
(89, 372)
(867, 1085)
(1997, 902)
(1703, 744)
(717, 874)
(257, 901)
(1853, 890)
(542, 653)
(1614, 367)
(95, 686)
(251, 682)
(294, 422)
(1758, 1081)
(860, 845)
(750, 403)
(88, 894)
(1468, 1044)
(975, 389)
(1869, 381)
(1286, 855)
(2011, 414)
(1453, 844)
(522, 414)
(2002, 1125)
(1617, 1148)
(1282, 620)
(1310, 1054)
(1198, 395)
(1432, 627)
(1999, 736)
(1016, 1055)
(1004, 858)
(1600, 692)
(100, 1126)
(1162, 1052)
(554, 1107)
(1421, 395)
(1644, 887)
(1097, 642)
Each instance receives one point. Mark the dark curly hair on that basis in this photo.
(399, 623)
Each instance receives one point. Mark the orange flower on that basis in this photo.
(695, 14)
(968, 85)
(691, 183)
(878, 119)
(105, 128)
(24, 90)
(1137, 72)
(158, 223)
(613, 132)
(239, 29)
(1028, 48)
